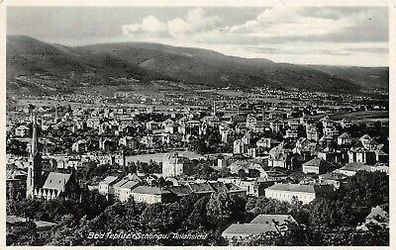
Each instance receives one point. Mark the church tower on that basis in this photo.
(34, 167)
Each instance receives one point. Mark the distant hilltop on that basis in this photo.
(37, 68)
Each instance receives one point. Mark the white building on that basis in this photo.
(304, 193)
(173, 165)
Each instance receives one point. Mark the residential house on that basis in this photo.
(150, 195)
(335, 179)
(174, 165)
(350, 169)
(344, 139)
(105, 186)
(362, 155)
(317, 166)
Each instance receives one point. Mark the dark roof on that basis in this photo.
(130, 184)
(180, 190)
(120, 183)
(56, 181)
(109, 180)
(233, 188)
(380, 152)
(317, 162)
(219, 186)
(149, 190)
(201, 188)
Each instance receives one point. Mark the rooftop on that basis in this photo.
(272, 218)
(56, 181)
(109, 180)
(149, 190)
(299, 188)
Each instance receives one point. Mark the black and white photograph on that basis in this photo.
(194, 125)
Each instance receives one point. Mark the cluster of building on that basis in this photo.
(143, 188)
(276, 151)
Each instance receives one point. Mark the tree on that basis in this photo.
(22, 233)
(17, 147)
(223, 209)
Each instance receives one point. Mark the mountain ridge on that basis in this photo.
(51, 67)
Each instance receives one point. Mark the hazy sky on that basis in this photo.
(326, 35)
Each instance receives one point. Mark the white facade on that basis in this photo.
(288, 196)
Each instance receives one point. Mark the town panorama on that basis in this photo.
(128, 144)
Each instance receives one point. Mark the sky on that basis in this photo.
(303, 35)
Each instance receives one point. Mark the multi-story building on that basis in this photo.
(304, 193)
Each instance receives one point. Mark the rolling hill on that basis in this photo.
(37, 68)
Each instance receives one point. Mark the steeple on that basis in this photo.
(33, 181)
(34, 149)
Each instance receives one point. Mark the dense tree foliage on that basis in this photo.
(17, 147)
(324, 222)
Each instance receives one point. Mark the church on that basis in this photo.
(43, 184)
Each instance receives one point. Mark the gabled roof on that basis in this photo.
(380, 152)
(344, 135)
(56, 181)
